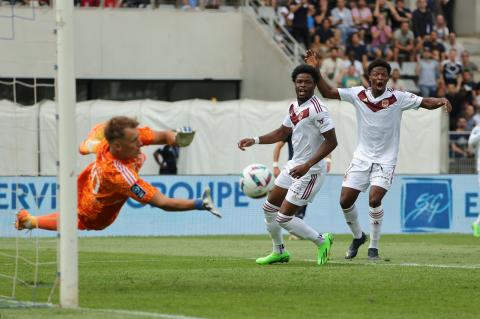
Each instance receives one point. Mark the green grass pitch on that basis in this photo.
(419, 276)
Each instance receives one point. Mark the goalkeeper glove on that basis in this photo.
(184, 136)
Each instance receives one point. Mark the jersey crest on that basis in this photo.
(375, 107)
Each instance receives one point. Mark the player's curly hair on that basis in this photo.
(115, 126)
(379, 63)
(305, 68)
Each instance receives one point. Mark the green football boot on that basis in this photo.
(476, 230)
(274, 258)
(324, 248)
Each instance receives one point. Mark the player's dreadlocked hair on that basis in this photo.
(305, 68)
(380, 63)
(116, 125)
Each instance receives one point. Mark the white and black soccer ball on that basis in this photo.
(256, 181)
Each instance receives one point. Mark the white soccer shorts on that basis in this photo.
(301, 191)
(361, 174)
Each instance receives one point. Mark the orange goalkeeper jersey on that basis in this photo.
(107, 183)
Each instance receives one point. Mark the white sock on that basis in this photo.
(478, 220)
(299, 228)
(376, 218)
(270, 211)
(351, 217)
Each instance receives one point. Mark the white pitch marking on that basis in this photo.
(386, 263)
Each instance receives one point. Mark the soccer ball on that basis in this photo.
(257, 180)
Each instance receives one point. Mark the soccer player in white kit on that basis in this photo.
(474, 141)
(313, 138)
(379, 112)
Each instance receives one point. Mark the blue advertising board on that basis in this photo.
(436, 203)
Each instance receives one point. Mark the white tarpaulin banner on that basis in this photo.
(219, 126)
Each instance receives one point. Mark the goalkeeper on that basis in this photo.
(107, 183)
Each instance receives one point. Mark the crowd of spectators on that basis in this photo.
(349, 34)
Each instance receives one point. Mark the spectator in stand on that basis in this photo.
(342, 19)
(453, 44)
(332, 67)
(381, 38)
(476, 101)
(468, 114)
(433, 44)
(457, 101)
(441, 28)
(447, 9)
(468, 87)
(422, 20)
(322, 11)
(385, 8)
(336, 41)
(468, 66)
(300, 10)
(428, 73)
(189, 5)
(89, 3)
(476, 117)
(352, 61)
(324, 31)
(459, 140)
(359, 49)
(112, 3)
(403, 40)
(401, 15)
(284, 16)
(362, 16)
(452, 70)
(350, 78)
(395, 82)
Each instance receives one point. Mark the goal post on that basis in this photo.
(67, 175)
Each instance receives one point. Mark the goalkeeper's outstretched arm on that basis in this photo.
(181, 137)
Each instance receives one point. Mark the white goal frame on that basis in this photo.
(67, 176)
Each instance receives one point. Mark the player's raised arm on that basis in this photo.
(326, 90)
(328, 145)
(432, 103)
(280, 134)
(181, 137)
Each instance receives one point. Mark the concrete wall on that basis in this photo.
(466, 17)
(150, 44)
(266, 70)
(136, 44)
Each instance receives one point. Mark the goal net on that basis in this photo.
(32, 262)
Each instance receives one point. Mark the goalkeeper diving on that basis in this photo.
(108, 182)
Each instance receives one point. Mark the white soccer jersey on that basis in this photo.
(308, 121)
(474, 141)
(378, 121)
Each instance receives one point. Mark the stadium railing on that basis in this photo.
(459, 163)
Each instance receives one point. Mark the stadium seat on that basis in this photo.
(408, 69)
(410, 86)
(266, 12)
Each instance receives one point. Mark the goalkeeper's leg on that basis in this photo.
(27, 221)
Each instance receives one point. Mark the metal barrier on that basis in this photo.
(460, 156)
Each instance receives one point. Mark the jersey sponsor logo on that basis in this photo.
(375, 107)
(138, 191)
(426, 204)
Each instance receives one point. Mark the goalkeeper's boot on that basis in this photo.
(324, 248)
(373, 254)
(274, 258)
(25, 220)
(356, 243)
(207, 203)
(476, 230)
